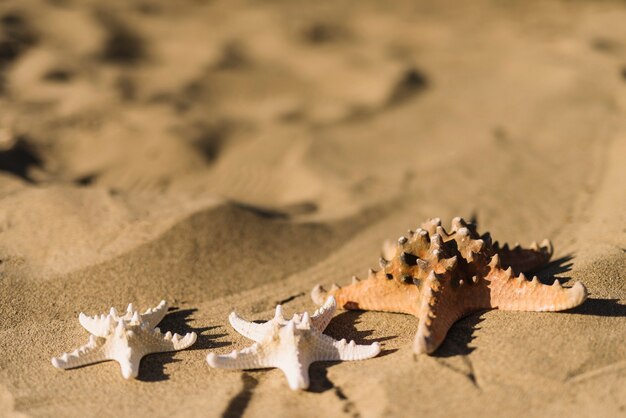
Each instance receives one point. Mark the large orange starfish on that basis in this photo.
(441, 277)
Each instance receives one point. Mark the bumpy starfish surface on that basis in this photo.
(291, 345)
(125, 339)
(440, 277)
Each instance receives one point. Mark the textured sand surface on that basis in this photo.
(231, 155)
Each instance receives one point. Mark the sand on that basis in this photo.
(231, 155)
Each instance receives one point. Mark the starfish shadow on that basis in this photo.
(318, 377)
(152, 368)
(459, 337)
(238, 404)
(600, 307)
(560, 265)
(342, 326)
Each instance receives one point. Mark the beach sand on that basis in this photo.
(231, 155)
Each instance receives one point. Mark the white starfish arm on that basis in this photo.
(324, 314)
(248, 358)
(251, 330)
(330, 349)
(158, 342)
(87, 354)
(255, 331)
(96, 325)
(153, 316)
(130, 369)
(297, 373)
(129, 361)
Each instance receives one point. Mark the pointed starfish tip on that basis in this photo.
(421, 345)
(318, 295)
(578, 293)
(211, 359)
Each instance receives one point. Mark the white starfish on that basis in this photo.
(291, 345)
(125, 339)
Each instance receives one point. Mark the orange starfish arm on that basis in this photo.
(377, 293)
(516, 293)
(443, 303)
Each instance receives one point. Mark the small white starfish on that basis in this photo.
(291, 345)
(125, 339)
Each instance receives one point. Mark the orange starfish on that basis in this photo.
(441, 277)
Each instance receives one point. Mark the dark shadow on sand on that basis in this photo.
(19, 158)
(457, 342)
(283, 213)
(342, 326)
(238, 404)
(152, 368)
(600, 307)
(558, 266)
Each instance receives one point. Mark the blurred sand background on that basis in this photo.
(230, 155)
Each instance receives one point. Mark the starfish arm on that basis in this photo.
(249, 358)
(433, 323)
(296, 372)
(127, 349)
(525, 259)
(322, 317)
(129, 356)
(377, 293)
(250, 330)
(511, 293)
(96, 325)
(153, 316)
(329, 349)
(443, 304)
(129, 360)
(159, 343)
(87, 354)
